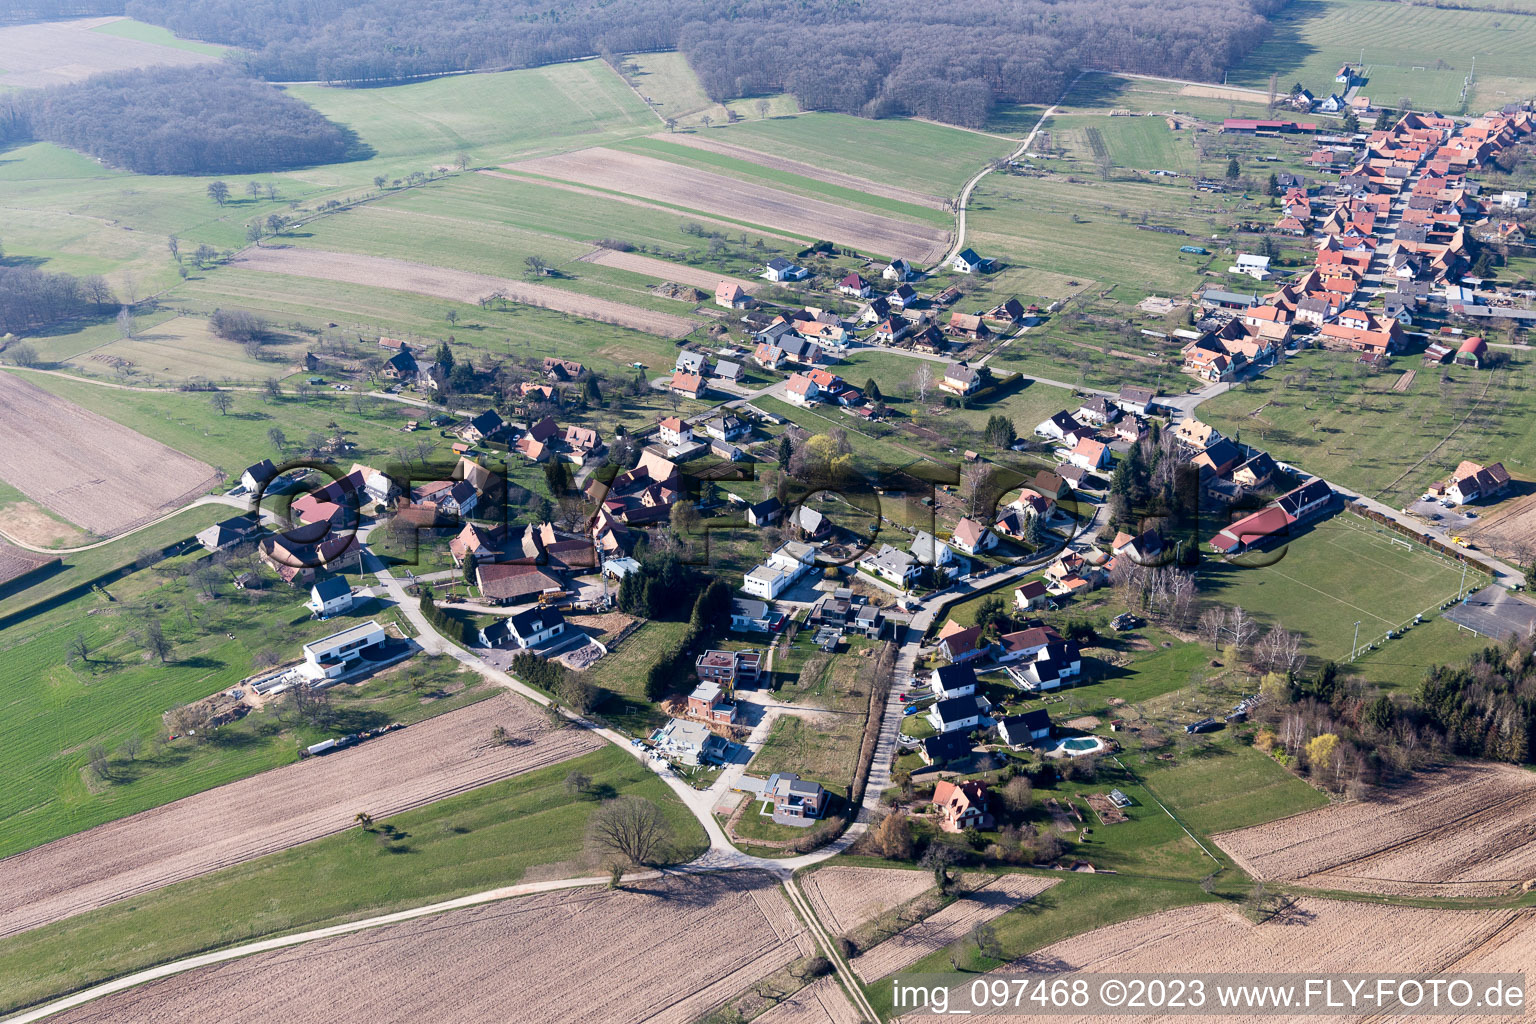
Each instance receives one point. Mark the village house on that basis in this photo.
(330, 596)
(903, 296)
(765, 513)
(962, 714)
(1025, 730)
(787, 564)
(707, 702)
(532, 628)
(691, 743)
(515, 583)
(730, 295)
(692, 362)
(898, 270)
(855, 285)
(794, 797)
(1472, 482)
(1031, 596)
(960, 379)
(951, 681)
(229, 533)
(1089, 454)
(1097, 410)
(729, 668)
(689, 385)
(892, 565)
(1058, 426)
(930, 551)
(673, 431)
(959, 644)
(961, 805)
(781, 269)
(749, 615)
(967, 262)
(801, 390)
(256, 478)
(972, 537)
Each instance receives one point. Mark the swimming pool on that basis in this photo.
(1077, 746)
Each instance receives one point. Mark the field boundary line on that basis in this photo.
(823, 939)
(1143, 783)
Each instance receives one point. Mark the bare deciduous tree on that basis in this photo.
(630, 828)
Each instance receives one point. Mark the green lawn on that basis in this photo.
(620, 676)
(486, 838)
(674, 91)
(1422, 53)
(1337, 571)
(1350, 427)
(1224, 785)
(58, 708)
(825, 749)
(914, 154)
(1400, 664)
(1100, 92)
(127, 28)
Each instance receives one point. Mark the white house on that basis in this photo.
(801, 390)
(1256, 267)
(330, 657)
(898, 270)
(1031, 596)
(972, 537)
(1089, 454)
(258, 476)
(967, 262)
(770, 579)
(331, 596)
(929, 550)
(959, 715)
(535, 626)
(892, 565)
(674, 431)
(951, 681)
(1058, 426)
(780, 269)
(1022, 730)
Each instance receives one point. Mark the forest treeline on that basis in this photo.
(180, 120)
(948, 59)
(21, 12)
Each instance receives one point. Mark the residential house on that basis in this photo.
(801, 390)
(1007, 313)
(673, 431)
(730, 295)
(902, 297)
(562, 369)
(334, 656)
(794, 797)
(1025, 644)
(730, 668)
(781, 269)
(535, 627)
(813, 526)
(448, 497)
(1089, 454)
(961, 805)
(222, 536)
(959, 715)
(581, 443)
(1031, 596)
(256, 478)
(401, 366)
(1058, 426)
(944, 748)
(728, 371)
(855, 285)
(727, 428)
(691, 743)
(892, 565)
(1026, 729)
(891, 329)
(1256, 267)
(1050, 485)
(972, 537)
(1472, 482)
(959, 644)
(967, 262)
(930, 551)
(968, 325)
(485, 427)
(331, 596)
(1057, 662)
(689, 385)
(768, 356)
(708, 703)
(951, 681)
(960, 379)
(751, 616)
(1144, 549)
(696, 363)
(765, 513)
(787, 564)
(1097, 410)
(898, 270)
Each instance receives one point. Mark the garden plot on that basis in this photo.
(279, 809)
(458, 285)
(690, 188)
(1464, 831)
(845, 898)
(56, 52)
(82, 466)
(661, 952)
(953, 922)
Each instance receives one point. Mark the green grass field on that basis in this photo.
(1419, 52)
(932, 158)
(483, 839)
(824, 749)
(666, 80)
(1224, 785)
(1104, 92)
(127, 28)
(1337, 571)
(1389, 445)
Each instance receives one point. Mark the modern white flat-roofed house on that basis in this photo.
(770, 579)
(332, 656)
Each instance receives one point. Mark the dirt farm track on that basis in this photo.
(278, 809)
(686, 187)
(1465, 830)
(80, 465)
(660, 952)
(459, 285)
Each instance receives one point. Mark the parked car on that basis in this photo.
(910, 709)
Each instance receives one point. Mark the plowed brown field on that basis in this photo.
(1465, 830)
(86, 468)
(459, 285)
(845, 898)
(664, 952)
(779, 163)
(1315, 937)
(633, 174)
(820, 1003)
(278, 809)
(16, 562)
(949, 924)
(663, 270)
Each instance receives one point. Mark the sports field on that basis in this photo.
(1419, 52)
(1337, 571)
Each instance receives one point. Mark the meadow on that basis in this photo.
(1335, 572)
(1099, 91)
(672, 89)
(1324, 411)
(1410, 51)
(493, 836)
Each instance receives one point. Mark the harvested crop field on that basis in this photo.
(663, 270)
(1506, 531)
(1461, 831)
(661, 952)
(82, 466)
(56, 52)
(26, 523)
(1313, 936)
(633, 174)
(278, 809)
(458, 285)
(956, 920)
(17, 562)
(845, 898)
(820, 1003)
(805, 170)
